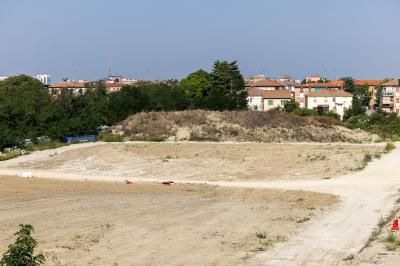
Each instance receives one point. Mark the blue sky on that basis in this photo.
(160, 39)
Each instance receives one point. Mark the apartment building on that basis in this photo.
(330, 100)
(391, 96)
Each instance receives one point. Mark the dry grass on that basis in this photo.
(273, 126)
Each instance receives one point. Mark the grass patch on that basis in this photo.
(45, 146)
(148, 138)
(109, 137)
(9, 156)
(389, 147)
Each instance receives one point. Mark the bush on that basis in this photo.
(21, 252)
(305, 112)
(109, 137)
(367, 158)
(333, 115)
(389, 147)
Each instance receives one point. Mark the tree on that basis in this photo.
(21, 253)
(361, 97)
(24, 109)
(291, 106)
(227, 91)
(196, 86)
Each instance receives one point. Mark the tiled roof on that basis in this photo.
(254, 92)
(70, 84)
(361, 82)
(282, 94)
(394, 82)
(264, 83)
(329, 93)
(331, 84)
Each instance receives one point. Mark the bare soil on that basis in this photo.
(205, 161)
(109, 223)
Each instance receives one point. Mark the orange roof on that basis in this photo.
(283, 94)
(329, 93)
(70, 84)
(254, 92)
(264, 83)
(361, 82)
(394, 82)
(113, 85)
(331, 84)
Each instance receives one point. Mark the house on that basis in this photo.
(372, 86)
(255, 99)
(391, 96)
(264, 100)
(264, 84)
(330, 100)
(286, 79)
(315, 79)
(302, 90)
(275, 99)
(76, 87)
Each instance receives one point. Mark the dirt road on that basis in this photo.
(366, 196)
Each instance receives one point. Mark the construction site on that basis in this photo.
(191, 203)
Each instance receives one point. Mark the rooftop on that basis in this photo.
(329, 93)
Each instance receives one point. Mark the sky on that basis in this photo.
(165, 39)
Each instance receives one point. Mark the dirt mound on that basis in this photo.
(273, 126)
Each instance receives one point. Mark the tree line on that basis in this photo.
(27, 110)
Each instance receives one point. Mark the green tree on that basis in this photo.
(25, 109)
(361, 97)
(196, 86)
(21, 253)
(227, 92)
(291, 106)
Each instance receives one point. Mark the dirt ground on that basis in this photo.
(109, 223)
(207, 161)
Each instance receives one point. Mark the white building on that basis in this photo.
(44, 78)
(264, 100)
(330, 100)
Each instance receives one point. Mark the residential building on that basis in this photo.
(315, 79)
(255, 99)
(302, 90)
(77, 87)
(44, 78)
(264, 84)
(330, 100)
(286, 79)
(275, 99)
(264, 100)
(391, 96)
(372, 86)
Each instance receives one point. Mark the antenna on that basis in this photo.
(109, 66)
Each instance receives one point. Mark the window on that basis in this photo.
(325, 99)
(315, 100)
(270, 102)
(397, 100)
(283, 102)
(334, 99)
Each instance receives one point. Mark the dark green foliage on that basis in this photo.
(227, 91)
(28, 111)
(291, 106)
(361, 97)
(197, 86)
(109, 137)
(385, 125)
(304, 112)
(21, 252)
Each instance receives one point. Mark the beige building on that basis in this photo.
(276, 99)
(391, 96)
(330, 100)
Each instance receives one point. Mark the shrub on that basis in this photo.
(367, 158)
(333, 115)
(389, 147)
(109, 137)
(305, 112)
(21, 252)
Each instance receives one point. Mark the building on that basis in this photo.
(315, 79)
(275, 99)
(302, 90)
(286, 79)
(372, 86)
(264, 84)
(76, 87)
(329, 100)
(45, 79)
(264, 100)
(391, 96)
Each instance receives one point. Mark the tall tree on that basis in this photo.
(227, 91)
(196, 86)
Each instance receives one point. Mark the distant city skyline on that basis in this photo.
(169, 39)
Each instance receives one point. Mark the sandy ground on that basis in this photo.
(325, 240)
(95, 223)
(203, 161)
